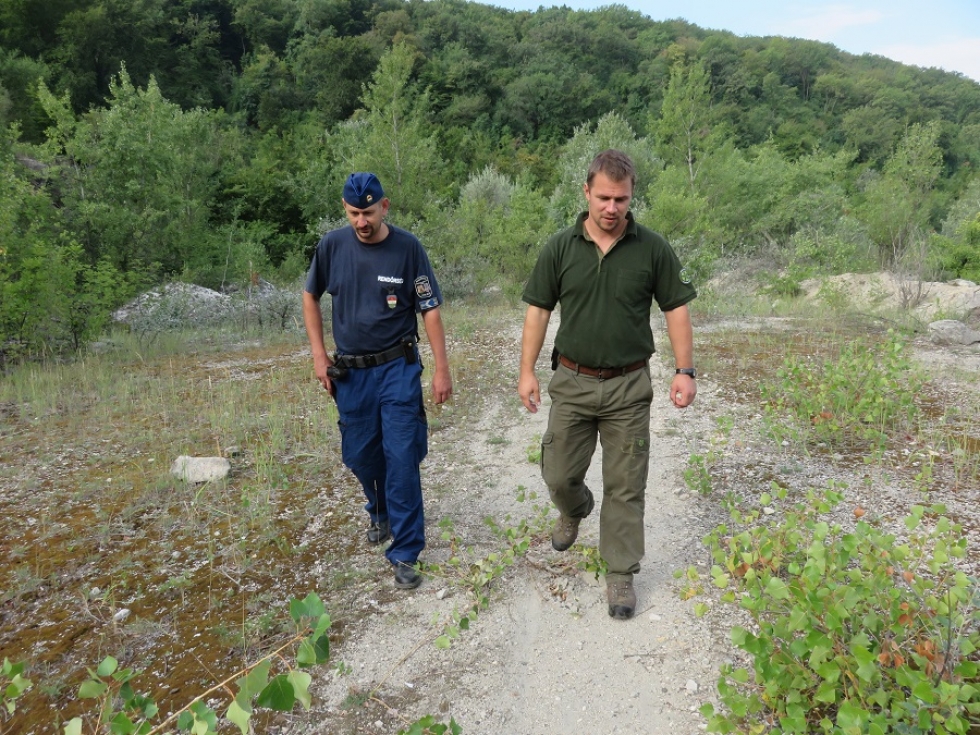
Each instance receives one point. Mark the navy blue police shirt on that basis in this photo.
(376, 290)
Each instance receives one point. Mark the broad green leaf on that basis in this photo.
(305, 653)
(309, 607)
(278, 695)
(92, 688)
(107, 667)
(10, 670)
(827, 692)
(797, 619)
(777, 589)
(301, 681)
(253, 682)
(924, 691)
(322, 624)
(122, 725)
(239, 715)
(203, 719)
(73, 726)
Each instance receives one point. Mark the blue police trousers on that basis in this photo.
(384, 438)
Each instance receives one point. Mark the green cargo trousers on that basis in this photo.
(617, 412)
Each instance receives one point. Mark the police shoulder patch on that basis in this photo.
(422, 287)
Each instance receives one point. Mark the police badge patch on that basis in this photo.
(422, 287)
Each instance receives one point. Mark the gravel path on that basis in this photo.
(545, 656)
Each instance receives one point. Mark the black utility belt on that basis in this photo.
(405, 349)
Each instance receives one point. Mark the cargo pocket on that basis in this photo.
(421, 437)
(637, 445)
(353, 438)
(637, 462)
(547, 445)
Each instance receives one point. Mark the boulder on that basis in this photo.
(953, 332)
(196, 470)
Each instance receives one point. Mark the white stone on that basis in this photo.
(196, 470)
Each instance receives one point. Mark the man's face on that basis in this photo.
(608, 202)
(368, 223)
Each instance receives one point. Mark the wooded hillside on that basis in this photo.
(208, 141)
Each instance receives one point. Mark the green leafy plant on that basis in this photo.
(853, 630)
(860, 396)
(592, 561)
(124, 711)
(14, 684)
(534, 450)
(476, 575)
(429, 726)
(697, 474)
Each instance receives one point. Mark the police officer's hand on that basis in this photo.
(442, 386)
(683, 388)
(530, 391)
(320, 365)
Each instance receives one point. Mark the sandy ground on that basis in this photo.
(545, 657)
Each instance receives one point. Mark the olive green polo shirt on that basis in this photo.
(606, 299)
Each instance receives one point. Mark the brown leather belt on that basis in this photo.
(601, 373)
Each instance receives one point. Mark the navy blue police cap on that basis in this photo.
(363, 190)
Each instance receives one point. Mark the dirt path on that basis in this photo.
(545, 657)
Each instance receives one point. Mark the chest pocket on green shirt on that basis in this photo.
(633, 289)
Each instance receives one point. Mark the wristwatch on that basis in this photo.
(687, 371)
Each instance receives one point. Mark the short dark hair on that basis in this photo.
(614, 164)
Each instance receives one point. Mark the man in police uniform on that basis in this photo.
(379, 277)
(605, 271)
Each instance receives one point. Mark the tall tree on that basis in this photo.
(688, 128)
(138, 177)
(392, 135)
(898, 204)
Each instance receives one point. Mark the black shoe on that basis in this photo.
(406, 578)
(378, 532)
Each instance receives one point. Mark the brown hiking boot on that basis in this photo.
(622, 600)
(564, 532)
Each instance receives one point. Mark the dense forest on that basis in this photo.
(207, 141)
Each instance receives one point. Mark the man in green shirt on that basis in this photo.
(605, 271)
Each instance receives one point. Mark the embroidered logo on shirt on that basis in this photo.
(422, 287)
(685, 276)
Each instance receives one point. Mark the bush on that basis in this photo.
(863, 395)
(853, 630)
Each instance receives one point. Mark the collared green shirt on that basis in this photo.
(606, 299)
